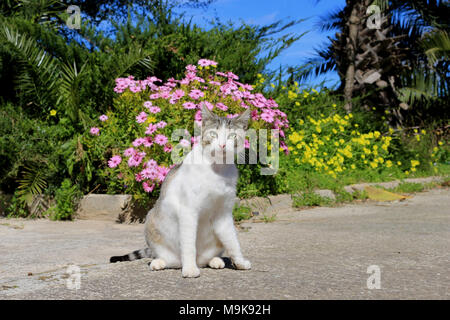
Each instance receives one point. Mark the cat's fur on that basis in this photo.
(191, 224)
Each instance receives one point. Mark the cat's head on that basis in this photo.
(222, 135)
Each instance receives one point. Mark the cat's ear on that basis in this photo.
(242, 120)
(207, 115)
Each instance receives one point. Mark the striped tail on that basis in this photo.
(135, 255)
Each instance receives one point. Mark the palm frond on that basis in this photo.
(32, 183)
(436, 45)
(39, 71)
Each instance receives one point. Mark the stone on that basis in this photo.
(103, 207)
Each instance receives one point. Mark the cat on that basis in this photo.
(191, 224)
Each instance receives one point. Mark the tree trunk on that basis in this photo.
(351, 50)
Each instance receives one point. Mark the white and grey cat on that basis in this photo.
(191, 224)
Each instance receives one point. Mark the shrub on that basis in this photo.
(148, 111)
(66, 197)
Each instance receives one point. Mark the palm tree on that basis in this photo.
(402, 66)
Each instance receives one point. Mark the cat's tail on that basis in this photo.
(135, 255)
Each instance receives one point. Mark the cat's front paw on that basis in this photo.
(242, 264)
(190, 272)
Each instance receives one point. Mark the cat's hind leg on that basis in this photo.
(216, 263)
(157, 264)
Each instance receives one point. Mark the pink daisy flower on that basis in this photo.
(154, 109)
(148, 104)
(114, 161)
(161, 139)
(168, 148)
(94, 131)
(141, 117)
(196, 94)
(147, 187)
(161, 124)
(267, 117)
(189, 105)
(221, 106)
(103, 117)
(129, 152)
(151, 129)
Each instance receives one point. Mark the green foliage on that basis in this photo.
(241, 213)
(66, 197)
(310, 199)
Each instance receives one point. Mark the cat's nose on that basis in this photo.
(222, 146)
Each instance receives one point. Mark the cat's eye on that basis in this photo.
(232, 136)
(212, 134)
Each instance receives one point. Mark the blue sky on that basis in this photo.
(261, 12)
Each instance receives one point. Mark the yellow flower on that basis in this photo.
(353, 166)
(297, 103)
(399, 163)
(151, 119)
(388, 164)
(53, 112)
(333, 105)
(440, 143)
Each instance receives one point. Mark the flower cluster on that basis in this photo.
(163, 107)
(334, 145)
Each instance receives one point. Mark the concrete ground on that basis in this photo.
(321, 253)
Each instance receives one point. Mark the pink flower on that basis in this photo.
(141, 117)
(189, 105)
(161, 139)
(149, 173)
(196, 94)
(221, 106)
(185, 143)
(154, 96)
(148, 104)
(267, 117)
(208, 104)
(178, 94)
(129, 152)
(136, 159)
(148, 188)
(103, 117)
(138, 142)
(191, 68)
(154, 109)
(246, 144)
(114, 161)
(94, 131)
(206, 63)
(168, 148)
(151, 129)
(198, 116)
(148, 142)
(161, 124)
(151, 163)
